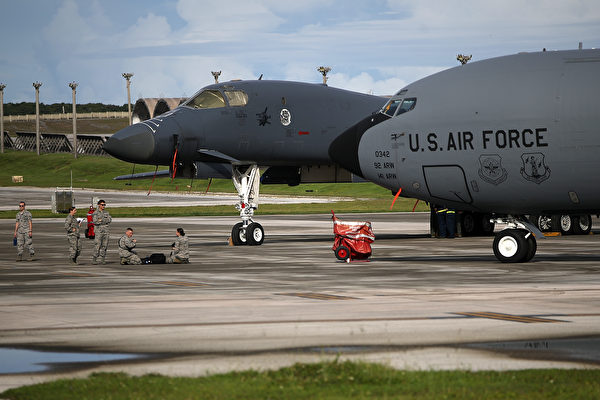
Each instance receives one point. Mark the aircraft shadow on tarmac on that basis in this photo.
(563, 257)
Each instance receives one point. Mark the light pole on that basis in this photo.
(462, 59)
(216, 75)
(2, 86)
(324, 71)
(73, 85)
(127, 76)
(37, 85)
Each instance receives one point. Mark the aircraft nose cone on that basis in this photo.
(133, 144)
(344, 149)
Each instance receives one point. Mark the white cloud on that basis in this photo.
(231, 20)
(172, 50)
(150, 30)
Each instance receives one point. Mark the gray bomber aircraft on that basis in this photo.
(507, 137)
(227, 130)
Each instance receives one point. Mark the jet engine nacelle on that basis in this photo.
(294, 176)
(201, 170)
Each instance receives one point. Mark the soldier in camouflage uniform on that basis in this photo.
(72, 228)
(180, 253)
(126, 245)
(101, 219)
(24, 232)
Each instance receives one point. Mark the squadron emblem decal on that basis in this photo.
(534, 168)
(285, 116)
(491, 169)
(263, 118)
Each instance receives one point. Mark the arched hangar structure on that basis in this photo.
(150, 107)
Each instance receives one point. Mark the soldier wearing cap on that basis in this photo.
(24, 232)
(101, 219)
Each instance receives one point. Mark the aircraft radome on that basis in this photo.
(508, 137)
(229, 129)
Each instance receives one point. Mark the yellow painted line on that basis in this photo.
(508, 317)
(318, 296)
(186, 284)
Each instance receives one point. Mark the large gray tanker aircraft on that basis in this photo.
(229, 129)
(508, 137)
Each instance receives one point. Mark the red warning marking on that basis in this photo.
(303, 133)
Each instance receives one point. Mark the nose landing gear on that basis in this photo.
(246, 179)
(516, 244)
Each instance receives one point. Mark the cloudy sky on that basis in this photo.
(171, 46)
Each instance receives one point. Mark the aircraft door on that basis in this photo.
(447, 182)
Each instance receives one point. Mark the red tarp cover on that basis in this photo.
(357, 236)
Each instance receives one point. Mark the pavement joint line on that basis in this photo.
(508, 317)
(178, 283)
(318, 296)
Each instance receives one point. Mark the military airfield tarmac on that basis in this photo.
(420, 303)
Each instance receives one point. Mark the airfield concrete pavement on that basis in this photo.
(419, 303)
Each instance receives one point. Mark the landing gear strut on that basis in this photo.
(517, 243)
(246, 179)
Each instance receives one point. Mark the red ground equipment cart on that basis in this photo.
(352, 239)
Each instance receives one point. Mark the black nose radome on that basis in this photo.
(134, 144)
(344, 149)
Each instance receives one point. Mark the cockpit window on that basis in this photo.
(236, 98)
(399, 106)
(207, 99)
(407, 105)
(391, 106)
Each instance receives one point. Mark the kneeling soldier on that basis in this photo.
(180, 253)
(126, 246)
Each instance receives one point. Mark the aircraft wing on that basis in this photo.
(207, 155)
(142, 175)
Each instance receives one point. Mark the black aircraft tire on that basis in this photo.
(543, 222)
(532, 248)
(566, 224)
(510, 245)
(255, 234)
(582, 224)
(487, 227)
(468, 224)
(342, 253)
(238, 234)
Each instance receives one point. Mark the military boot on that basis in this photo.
(19, 257)
(94, 261)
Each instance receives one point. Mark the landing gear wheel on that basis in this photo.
(543, 222)
(238, 234)
(255, 234)
(566, 224)
(532, 248)
(511, 246)
(342, 253)
(468, 224)
(487, 227)
(582, 224)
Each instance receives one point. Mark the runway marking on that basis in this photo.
(186, 284)
(318, 296)
(508, 317)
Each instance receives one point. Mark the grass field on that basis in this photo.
(84, 126)
(330, 380)
(60, 170)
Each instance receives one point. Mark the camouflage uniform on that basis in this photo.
(101, 220)
(72, 228)
(126, 246)
(180, 253)
(24, 218)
